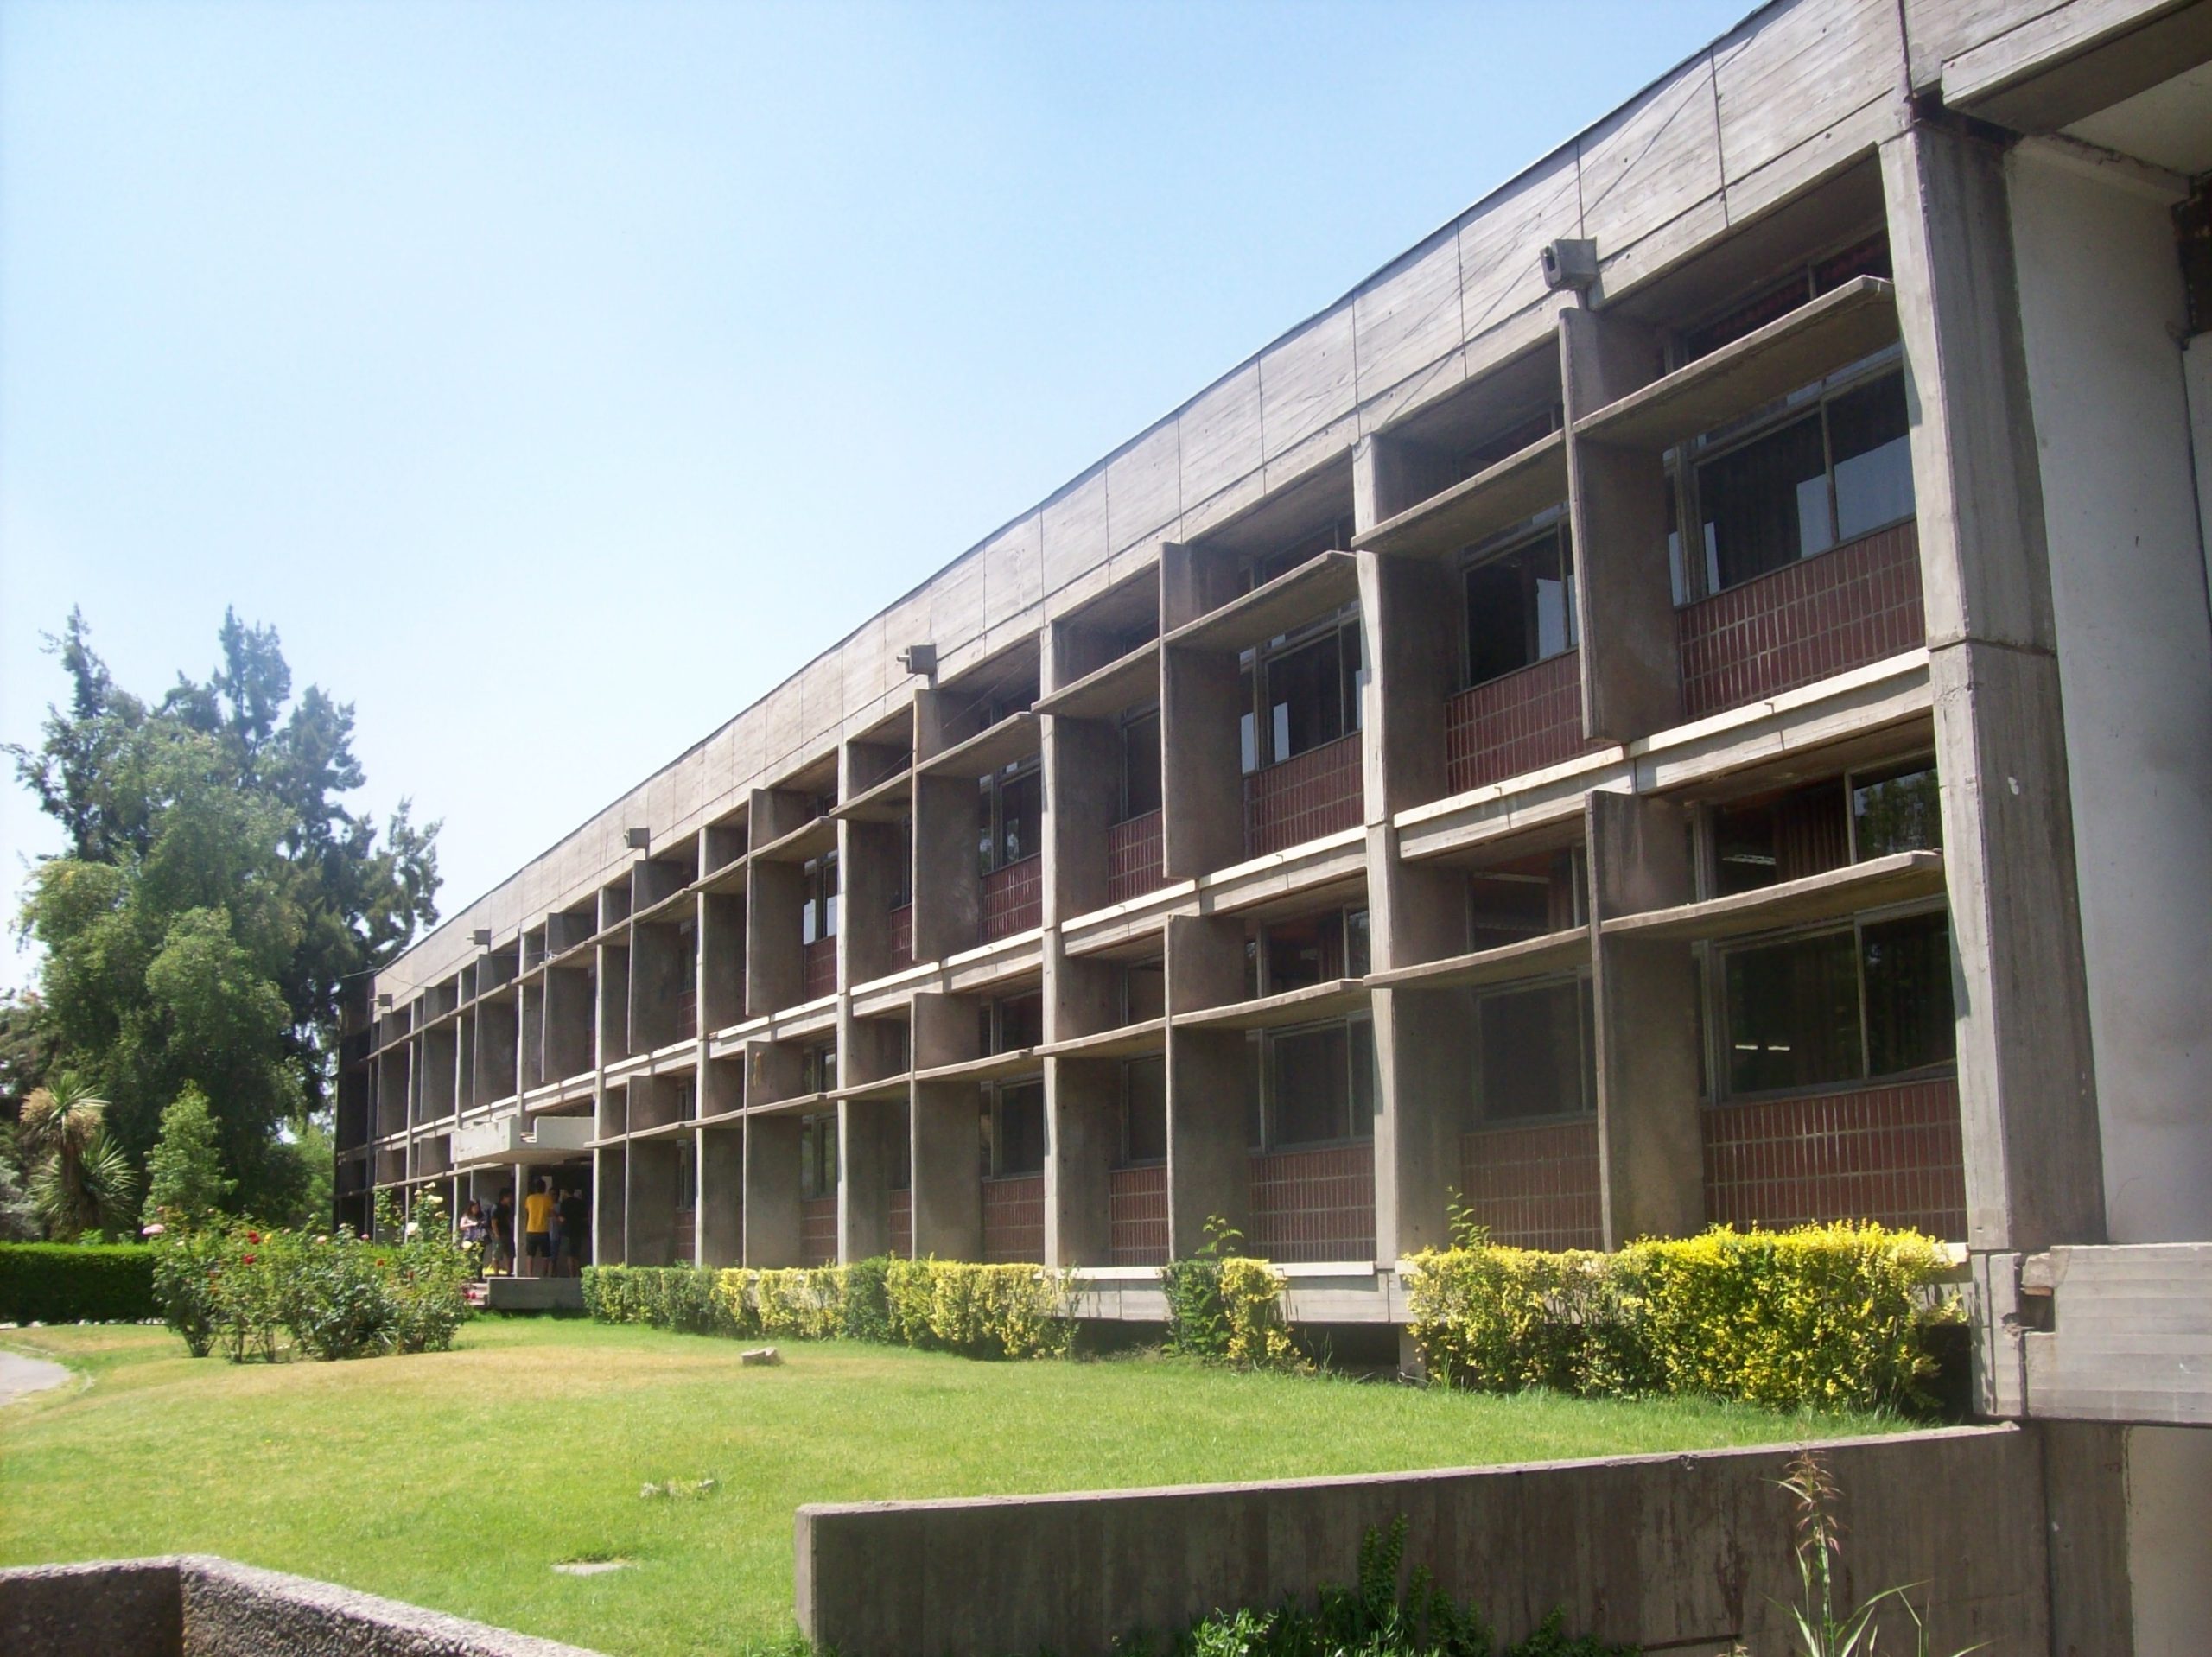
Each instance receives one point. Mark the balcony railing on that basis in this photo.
(1523, 721)
(820, 976)
(1135, 858)
(1311, 794)
(1854, 604)
(1890, 1153)
(817, 1231)
(1535, 1186)
(902, 937)
(1014, 1219)
(1014, 899)
(1136, 1216)
(1314, 1205)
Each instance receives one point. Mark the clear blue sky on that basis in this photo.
(556, 379)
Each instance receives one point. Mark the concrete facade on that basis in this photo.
(1725, 736)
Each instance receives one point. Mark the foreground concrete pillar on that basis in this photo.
(866, 1132)
(1650, 1146)
(1209, 1082)
(2027, 1097)
(610, 1188)
(770, 1215)
(1083, 1115)
(945, 1121)
(721, 1195)
(650, 1211)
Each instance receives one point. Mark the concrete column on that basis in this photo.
(1390, 474)
(613, 1013)
(948, 891)
(948, 1170)
(1082, 1108)
(1201, 777)
(650, 1211)
(775, 893)
(656, 980)
(770, 1218)
(722, 960)
(868, 858)
(866, 1133)
(610, 1188)
(498, 1045)
(1617, 505)
(2027, 1095)
(721, 1195)
(1208, 1080)
(1083, 797)
(567, 1024)
(1650, 1145)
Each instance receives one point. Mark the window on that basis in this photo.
(818, 1156)
(902, 872)
(899, 1159)
(1144, 991)
(1519, 607)
(1311, 949)
(1866, 1000)
(1537, 1052)
(1896, 810)
(1831, 475)
(1825, 825)
(1301, 694)
(818, 917)
(1869, 257)
(1546, 893)
(1144, 1110)
(1009, 818)
(1332, 537)
(1320, 1083)
(817, 1068)
(1015, 1125)
(1011, 1025)
(1140, 763)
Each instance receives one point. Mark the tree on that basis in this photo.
(215, 898)
(80, 1178)
(184, 1176)
(26, 1044)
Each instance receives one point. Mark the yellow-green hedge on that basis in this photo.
(1825, 1316)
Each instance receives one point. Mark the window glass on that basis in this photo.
(1874, 461)
(1532, 1055)
(1793, 1013)
(1021, 802)
(818, 1149)
(1765, 505)
(1021, 1129)
(1312, 1073)
(1144, 1109)
(1359, 956)
(1366, 1080)
(1145, 993)
(1140, 764)
(1519, 609)
(1306, 951)
(818, 915)
(1803, 833)
(1304, 698)
(1021, 1022)
(1908, 964)
(1897, 810)
(1248, 727)
(1355, 675)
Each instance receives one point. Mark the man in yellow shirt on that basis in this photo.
(536, 1228)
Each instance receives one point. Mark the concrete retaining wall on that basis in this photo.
(1684, 1553)
(195, 1606)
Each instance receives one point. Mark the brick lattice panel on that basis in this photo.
(1854, 604)
(902, 937)
(1136, 858)
(1314, 1205)
(901, 1208)
(1521, 722)
(821, 968)
(1136, 1216)
(817, 1231)
(1014, 1219)
(1014, 899)
(1319, 792)
(1535, 1187)
(1889, 1154)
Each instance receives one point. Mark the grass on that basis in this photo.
(459, 1480)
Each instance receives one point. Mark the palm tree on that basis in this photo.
(79, 1180)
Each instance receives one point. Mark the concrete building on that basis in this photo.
(1686, 696)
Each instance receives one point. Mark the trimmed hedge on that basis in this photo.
(983, 1312)
(1823, 1316)
(71, 1283)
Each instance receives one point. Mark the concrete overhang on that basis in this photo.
(2074, 61)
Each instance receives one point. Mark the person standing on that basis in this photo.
(503, 1231)
(536, 1217)
(474, 1231)
(557, 1241)
(575, 1218)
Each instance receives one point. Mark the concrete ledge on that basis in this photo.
(194, 1605)
(1685, 1553)
(533, 1294)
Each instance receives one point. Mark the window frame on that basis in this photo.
(1550, 524)
(994, 1134)
(820, 1156)
(1256, 734)
(1586, 1018)
(1271, 1140)
(990, 799)
(818, 900)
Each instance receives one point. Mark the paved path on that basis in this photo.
(20, 1376)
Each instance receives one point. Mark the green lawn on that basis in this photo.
(457, 1481)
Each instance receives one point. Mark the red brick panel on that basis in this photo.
(1319, 792)
(1314, 1205)
(1888, 1153)
(1535, 1187)
(1854, 604)
(687, 1014)
(1136, 1216)
(902, 937)
(817, 1231)
(1136, 858)
(1014, 899)
(821, 964)
(685, 1241)
(1522, 722)
(1014, 1218)
(901, 1207)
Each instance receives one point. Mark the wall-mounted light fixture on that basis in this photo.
(638, 839)
(481, 937)
(919, 658)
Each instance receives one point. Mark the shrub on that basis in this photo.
(805, 1302)
(868, 1301)
(71, 1283)
(1226, 1306)
(1825, 1316)
(1251, 1302)
(184, 1286)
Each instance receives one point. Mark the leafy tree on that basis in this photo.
(80, 1180)
(26, 1044)
(215, 898)
(19, 1220)
(184, 1176)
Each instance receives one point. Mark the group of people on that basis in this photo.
(555, 1230)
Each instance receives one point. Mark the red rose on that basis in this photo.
(245, 1260)
(253, 1236)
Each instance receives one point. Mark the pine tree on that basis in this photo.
(184, 1175)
